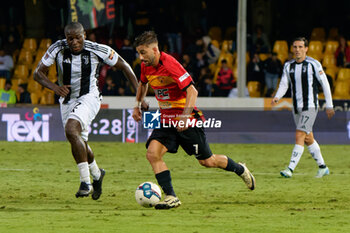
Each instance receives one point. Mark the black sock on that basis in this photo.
(164, 180)
(322, 166)
(234, 167)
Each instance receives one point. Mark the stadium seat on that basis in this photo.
(136, 62)
(254, 88)
(2, 83)
(235, 71)
(215, 33)
(226, 46)
(215, 43)
(280, 46)
(329, 61)
(21, 72)
(317, 56)
(283, 57)
(228, 57)
(315, 46)
(342, 90)
(343, 74)
(34, 86)
(15, 56)
(331, 47)
(318, 33)
(14, 84)
(35, 98)
(25, 57)
(40, 53)
(22, 80)
(331, 72)
(30, 44)
(45, 43)
(212, 68)
(333, 34)
(247, 57)
(230, 33)
(48, 97)
(263, 56)
(216, 74)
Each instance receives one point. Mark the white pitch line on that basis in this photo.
(14, 169)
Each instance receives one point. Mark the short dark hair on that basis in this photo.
(306, 42)
(23, 85)
(8, 82)
(146, 38)
(73, 26)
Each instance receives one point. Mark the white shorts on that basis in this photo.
(83, 109)
(304, 120)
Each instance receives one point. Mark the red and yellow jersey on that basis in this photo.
(169, 81)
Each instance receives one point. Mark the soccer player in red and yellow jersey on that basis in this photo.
(176, 96)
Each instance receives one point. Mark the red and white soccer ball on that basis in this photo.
(148, 194)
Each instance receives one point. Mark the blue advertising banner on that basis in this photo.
(42, 124)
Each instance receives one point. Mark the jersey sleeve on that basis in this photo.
(142, 75)
(49, 57)
(322, 79)
(178, 73)
(283, 86)
(106, 53)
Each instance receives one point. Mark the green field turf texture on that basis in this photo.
(39, 180)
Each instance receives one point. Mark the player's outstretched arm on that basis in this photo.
(191, 98)
(140, 95)
(127, 70)
(129, 73)
(40, 75)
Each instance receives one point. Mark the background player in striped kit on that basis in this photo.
(78, 62)
(303, 73)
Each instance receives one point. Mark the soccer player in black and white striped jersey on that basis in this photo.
(302, 74)
(78, 62)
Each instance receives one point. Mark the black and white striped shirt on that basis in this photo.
(303, 78)
(80, 71)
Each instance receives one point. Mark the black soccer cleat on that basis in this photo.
(84, 190)
(97, 184)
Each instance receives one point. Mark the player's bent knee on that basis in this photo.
(152, 156)
(210, 162)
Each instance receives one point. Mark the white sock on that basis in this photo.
(94, 170)
(315, 152)
(84, 172)
(296, 155)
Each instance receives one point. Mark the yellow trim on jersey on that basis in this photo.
(172, 104)
(159, 81)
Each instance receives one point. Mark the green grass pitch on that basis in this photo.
(39, 181)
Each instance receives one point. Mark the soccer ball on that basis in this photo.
(148, 194)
